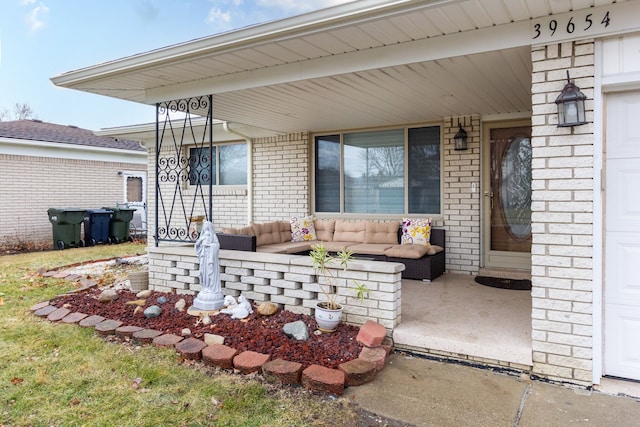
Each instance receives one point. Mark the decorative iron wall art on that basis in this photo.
(185, 162)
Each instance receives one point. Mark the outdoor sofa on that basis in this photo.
(380, 241)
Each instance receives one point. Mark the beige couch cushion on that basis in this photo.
(244, 231)
(369, 248)
(285, 231)
(271, 232)
(284, 248)
(434, 249)
(324, 229)
(407, 251)
(349, 231)
(335, 246)
(382, 232)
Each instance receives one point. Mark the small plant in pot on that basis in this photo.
(328, 313)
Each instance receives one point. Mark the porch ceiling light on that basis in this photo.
(460, 139)
(571, 105)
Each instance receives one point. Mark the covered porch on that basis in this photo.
(455, 317)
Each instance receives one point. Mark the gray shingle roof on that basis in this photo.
(37, 130)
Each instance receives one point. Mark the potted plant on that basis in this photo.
(328, 313)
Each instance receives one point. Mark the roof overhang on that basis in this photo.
(361, 64)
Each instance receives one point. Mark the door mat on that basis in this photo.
(502, 283)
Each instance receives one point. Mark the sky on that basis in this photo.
(42, 39)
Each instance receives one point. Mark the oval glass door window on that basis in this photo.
(515, 188)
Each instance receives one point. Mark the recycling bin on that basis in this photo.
(119, 224)
(66, 223)
(96, 226)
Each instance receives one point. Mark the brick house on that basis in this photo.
(46, 165)
(337, 85)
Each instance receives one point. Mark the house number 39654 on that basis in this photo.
(556, 28)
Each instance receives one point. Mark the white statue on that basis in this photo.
(207, 248)
(229, 300)
(242, 302)
(238, 310)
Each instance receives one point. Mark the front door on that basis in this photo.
(622, 237)
(507, 196)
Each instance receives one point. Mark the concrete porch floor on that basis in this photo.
(456, 317)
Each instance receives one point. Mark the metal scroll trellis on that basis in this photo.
(184, 168)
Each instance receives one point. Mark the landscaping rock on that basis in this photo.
(190, 348)
(108, 295)
(91, 321)
(219, 355)
(58, 314)
(108, 326)
(167, 340)
(180, 304)
(371, 334)
(248, 362)
(211, 339)
(297, 330)
(144, 294)
(74, 317)
(162, 300)
(282, 371)
(324, 380)
(45, 311)
(146, 336)
(152, 311)
(358, 372)
(127, 331)
(377, 356)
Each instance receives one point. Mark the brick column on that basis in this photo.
(562, 217)
(462, 206)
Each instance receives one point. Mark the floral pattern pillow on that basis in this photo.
(302, 229)
(416, 231)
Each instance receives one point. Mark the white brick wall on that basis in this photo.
(281, 177)
(31, 185)
(287, 280)
(562, 204)
(461, 206)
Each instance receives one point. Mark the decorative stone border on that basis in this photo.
(315, 377)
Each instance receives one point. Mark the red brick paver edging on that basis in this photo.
(315, 377)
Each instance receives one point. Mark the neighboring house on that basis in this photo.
(45, 165)
(346, 87)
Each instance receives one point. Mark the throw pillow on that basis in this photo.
(416, 231)
(302, 229)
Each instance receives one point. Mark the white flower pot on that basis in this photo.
(326, 318)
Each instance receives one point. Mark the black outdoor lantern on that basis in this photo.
(571, 105)
(460, 139)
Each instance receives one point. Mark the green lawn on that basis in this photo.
(65, 375)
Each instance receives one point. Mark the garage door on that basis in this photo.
(622, 237)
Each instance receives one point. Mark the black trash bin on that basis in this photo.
(119, 225)
(96, 226)
(66, 223)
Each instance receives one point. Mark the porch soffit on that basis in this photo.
(367, 63)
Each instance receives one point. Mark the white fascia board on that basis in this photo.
(489, 39)
(25, 147)
(261, 33)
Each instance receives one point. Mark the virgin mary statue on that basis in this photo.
(207, 248)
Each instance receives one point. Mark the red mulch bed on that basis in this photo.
(262, 334)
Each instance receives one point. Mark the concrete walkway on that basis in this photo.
(423, 392)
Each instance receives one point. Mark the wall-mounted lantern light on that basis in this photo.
(571, 105)
(460, 139)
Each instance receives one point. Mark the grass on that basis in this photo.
(55, 374)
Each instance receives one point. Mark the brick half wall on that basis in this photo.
(287, 280)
